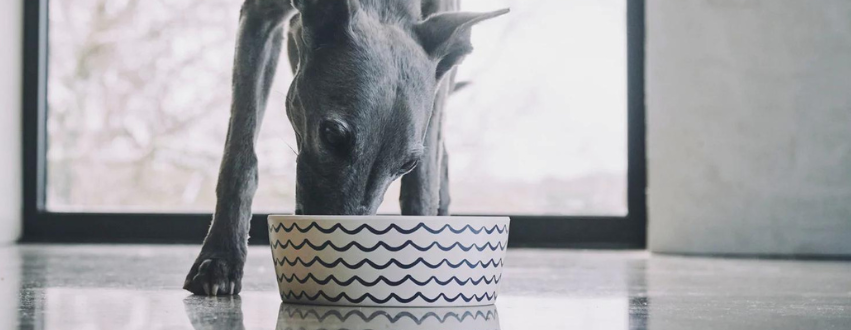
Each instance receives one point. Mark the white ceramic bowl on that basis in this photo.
(388, 260)
(442, 318)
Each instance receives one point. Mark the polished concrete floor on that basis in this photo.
(138, 287)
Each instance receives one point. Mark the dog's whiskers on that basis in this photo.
(291, 148)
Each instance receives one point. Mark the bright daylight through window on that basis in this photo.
(139, 93)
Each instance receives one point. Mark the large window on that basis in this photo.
(134, 97)
(139, 92)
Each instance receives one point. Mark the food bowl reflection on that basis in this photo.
(297, 317)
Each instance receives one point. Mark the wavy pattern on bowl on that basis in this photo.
(389, 261)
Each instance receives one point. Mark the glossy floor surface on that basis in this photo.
(138, 287)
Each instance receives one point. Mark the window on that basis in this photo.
(131, 107)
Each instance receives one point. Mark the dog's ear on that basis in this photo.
(446, 36)
(325, 20)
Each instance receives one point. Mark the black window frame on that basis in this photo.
(41, 225)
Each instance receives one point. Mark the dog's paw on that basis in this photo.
(215, 276)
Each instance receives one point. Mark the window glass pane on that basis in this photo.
(139, 98)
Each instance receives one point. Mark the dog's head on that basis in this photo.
(363, 94)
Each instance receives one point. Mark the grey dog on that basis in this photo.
(371, 80)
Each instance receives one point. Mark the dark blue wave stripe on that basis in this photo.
(391, 262)
(385, 280)
(337, 226)
(419, 295)
(388, 247)
(392, 318)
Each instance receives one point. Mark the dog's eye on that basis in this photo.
(409, 166)
(335, 134)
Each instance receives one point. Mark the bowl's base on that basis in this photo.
(369, 301)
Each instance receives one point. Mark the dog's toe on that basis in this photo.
(214, 277)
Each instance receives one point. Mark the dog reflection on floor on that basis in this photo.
(214, 313)
(225, 313)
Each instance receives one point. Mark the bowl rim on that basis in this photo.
(274, 217)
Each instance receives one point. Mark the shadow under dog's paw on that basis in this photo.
(214, 277)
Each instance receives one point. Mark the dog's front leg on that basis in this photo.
(218, 268)
(420, 191)
(422, 188)
(445, 199)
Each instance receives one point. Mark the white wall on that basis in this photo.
(749, 126)
(11, 12)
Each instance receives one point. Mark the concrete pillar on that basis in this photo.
(11, 24)
(749, 126)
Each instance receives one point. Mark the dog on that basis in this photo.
(371, 80)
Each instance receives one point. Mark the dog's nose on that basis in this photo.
(299, 211)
